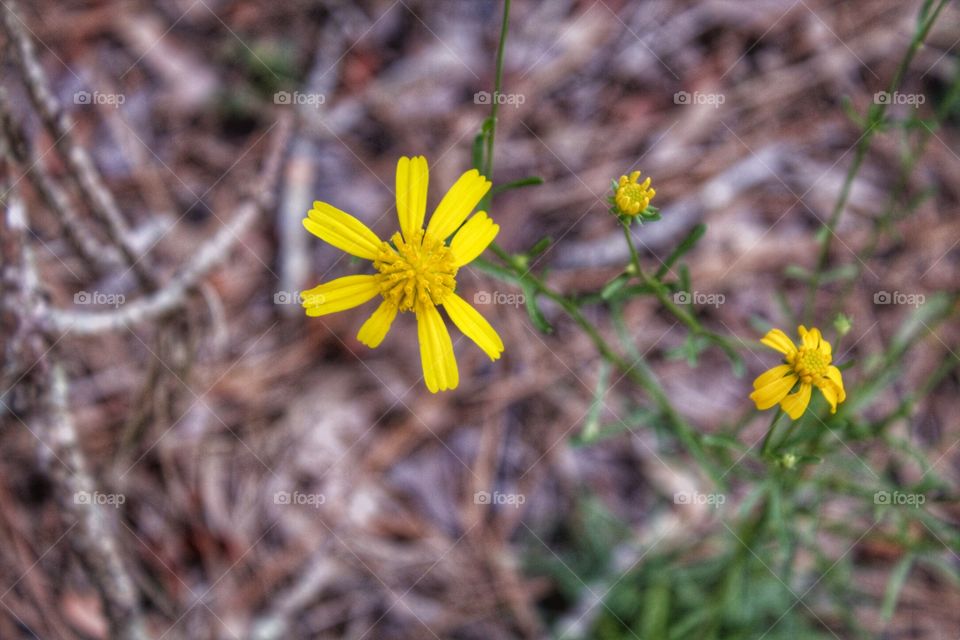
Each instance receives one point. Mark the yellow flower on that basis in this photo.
(416, 270)
(807, 366)
(632, 198)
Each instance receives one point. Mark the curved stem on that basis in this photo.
(767, 439)
(638, 374)
(661, 294)
(657, 288)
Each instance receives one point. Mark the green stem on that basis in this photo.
(874, 119)
(657, 288)
(768, 438)
(636, 372)
(786, 437)
(882, 224)
(661, 293)
(495, 104)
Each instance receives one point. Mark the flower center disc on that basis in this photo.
(419, 271)
(634, 193)
(809, 364)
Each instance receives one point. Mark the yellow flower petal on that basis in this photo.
(457, 204)
(413, 175)
(337, 295)
(833, 374)
(778, 340)
(811, 338)
(374, 330)
(342, 230)
(436, 350)
(771, 375)
(830, 392)
(773, 392)
(473, 325)
(796, 403)
(825, 347)
(472, 238)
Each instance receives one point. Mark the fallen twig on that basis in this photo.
(208, 257)
(94, 193)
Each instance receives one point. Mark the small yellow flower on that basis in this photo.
(416, 270)
(632, 198)
(807, 366)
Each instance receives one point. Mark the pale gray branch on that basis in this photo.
(95, 543)
(208, 257)
(172, 295)
(83, 172)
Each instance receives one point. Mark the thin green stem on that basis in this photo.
(946, 107)
(786, 436)
(495, 104)
(661, 293)
(635, 371)
(874, 119)
(657, 287)
(769, 437)
(519, 271)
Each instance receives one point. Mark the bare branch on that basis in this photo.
(82, 169)
(95, 543)
(211, 253)
(97, 255)
(208, 257)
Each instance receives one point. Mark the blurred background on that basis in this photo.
(186, 455)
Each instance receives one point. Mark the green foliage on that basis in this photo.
(268, 65)
(726, 596)
(760, 569)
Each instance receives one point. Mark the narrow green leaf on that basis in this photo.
(839, 274)
(656, 608)
(614, 286)
(540, 246)
(723, 441)
(533, 310)
(517, 184)
(591, 427)
(796, 272)
(684, 278)
(688, 243)
(897, 579)
(485, 266)
(851, 112)
(476, 152)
